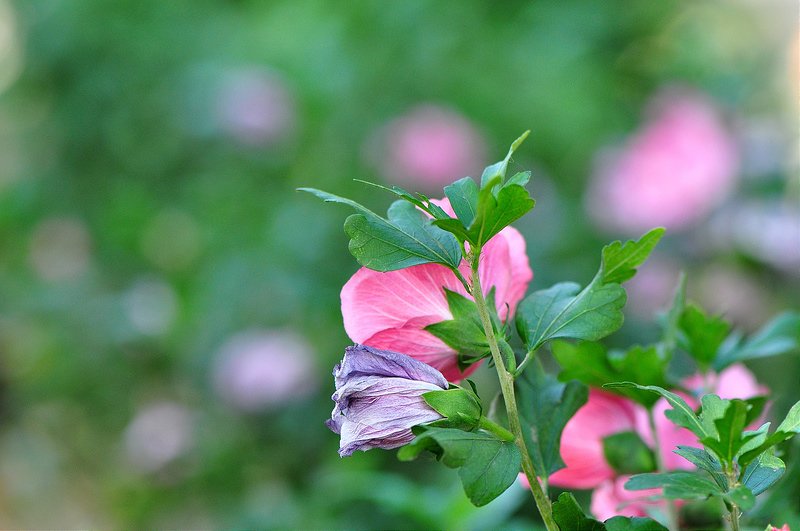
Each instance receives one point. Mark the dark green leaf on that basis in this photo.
(589, 363)
(461, 408)
(677, 485)
(486, 465)
(463, 196)
(742, 497)
(545, 406)
(782, 334)
(570, 517)
(762, 473)
(624, 523)
(619, 261)
(680, 414)
(464, 333)
(702, 335)
(705, 461)
(627, 453)
(564, 311)
(405, 239)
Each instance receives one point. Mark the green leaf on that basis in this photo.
(564, 311)
(705, 461)
(463, 196)
(499, 169)
(619, 261)
(786, 430)
(680, 414)
(486, 465)
(403, 239)
(589, 363)
(781, 334)
(702, 335)
(464, 333)
(627, 453)
(762, 473)
(545, 407)
(636, 523)
(728, 437)
(742, 497)
(569, 515)
(677, 485)
(460, 407)
(419, 200)
(671, 320)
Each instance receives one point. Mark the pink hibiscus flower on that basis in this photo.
(611, 499)
(391, 310)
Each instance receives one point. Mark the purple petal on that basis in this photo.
(362, 360)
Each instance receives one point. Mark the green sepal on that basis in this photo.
(461, 408)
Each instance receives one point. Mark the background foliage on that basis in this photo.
(149, 227)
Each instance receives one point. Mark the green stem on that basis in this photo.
(730, 472)
(507, 388)
(525, 361)
(672, 513)
(497, 429)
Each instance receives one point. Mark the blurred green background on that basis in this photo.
(169, 304)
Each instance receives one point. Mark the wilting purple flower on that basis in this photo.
(379, 398)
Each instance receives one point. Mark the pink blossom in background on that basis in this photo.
(672, 172)
(258, 370)
(603, 414)
(611, 498)
(390, 310)
(734, 382)
(256, 107)
(428, 148)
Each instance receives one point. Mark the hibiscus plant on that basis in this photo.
(442, 288)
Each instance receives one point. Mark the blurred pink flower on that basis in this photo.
(257, 370)
(390, 310)
(771, 527)
(256, 107)
(611, 498)
(734, 382)
(430, 147)
(672, 172)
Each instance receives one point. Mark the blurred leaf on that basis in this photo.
(677, 485)
(619, 261)
(636, 523)
(762, 473)
(589, 363)
(702, 335)
(627, 453)
(486, 465)
(566, 311)
(742, 497)
(780, 335)
(705, 461)
(461, 408)
(545, 407)
(405, 239)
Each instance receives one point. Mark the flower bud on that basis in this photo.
(379, 398)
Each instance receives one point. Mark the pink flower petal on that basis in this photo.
(611, 499)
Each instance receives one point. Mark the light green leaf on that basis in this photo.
(677, 485)
(702, 335)
(786, 430)
(486, 465)
(619, 261)
(460, 407)
(499, 169)
(404, 239)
